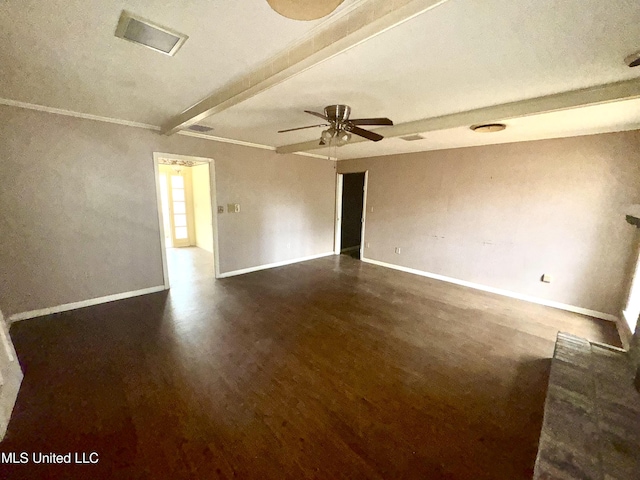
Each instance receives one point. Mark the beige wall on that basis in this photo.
(79, 219)
(503, 215)
(202, 207)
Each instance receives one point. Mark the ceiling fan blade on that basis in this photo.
(376, 137)
(371, 121)
(302, 128)
(317, 114)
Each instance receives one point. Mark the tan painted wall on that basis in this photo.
(504, 215)
(202, 207)
(79, 219)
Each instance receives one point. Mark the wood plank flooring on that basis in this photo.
(328, 369)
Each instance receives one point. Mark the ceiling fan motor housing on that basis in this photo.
(337, 113)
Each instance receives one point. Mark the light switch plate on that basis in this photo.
(546, 278)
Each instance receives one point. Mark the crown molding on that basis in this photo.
(189, 133)
(71, 113)
(146, 126)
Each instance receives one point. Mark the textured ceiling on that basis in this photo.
(461, 55)
(63, 53)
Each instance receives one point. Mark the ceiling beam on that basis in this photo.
(611, 92)
(370, 18)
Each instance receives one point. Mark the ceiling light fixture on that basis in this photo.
(633, 60)
(488, 127)
(304, 9)
(412, 138)
(337, 137)
(327, 135)
(343, 138)
(148, 34)
(199, 128)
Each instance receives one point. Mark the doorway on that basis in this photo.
(350, 214)
(186, 215)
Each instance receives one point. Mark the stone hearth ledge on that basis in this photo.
(591, 426)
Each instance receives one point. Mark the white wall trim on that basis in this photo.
(163, 246)
(337, 225)
(214, 208)
(365, 190)
(273, 265)
(498, 291)
(189, 133)
(316, 155)
(84, 303)
(128, 123)
(261, 146)
(71, 113)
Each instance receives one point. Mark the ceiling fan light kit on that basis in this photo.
(341, 127)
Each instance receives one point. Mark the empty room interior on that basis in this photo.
(339, 239)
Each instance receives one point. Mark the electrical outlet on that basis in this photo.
(367, 245)
(398, 250)
(221, 209)
(236, 208)
(546, 278)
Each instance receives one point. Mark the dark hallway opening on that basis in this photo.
(352, 204)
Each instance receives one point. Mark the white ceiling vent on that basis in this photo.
(200, 128)
(143, 32)
(412, 138)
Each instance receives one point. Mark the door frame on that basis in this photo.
(214, 209)
(337, 241)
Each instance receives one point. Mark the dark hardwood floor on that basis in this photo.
(329, 369)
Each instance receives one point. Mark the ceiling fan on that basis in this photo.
(340, 127)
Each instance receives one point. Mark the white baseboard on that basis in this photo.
(272, 265)
(498, 291)
(84, 303)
